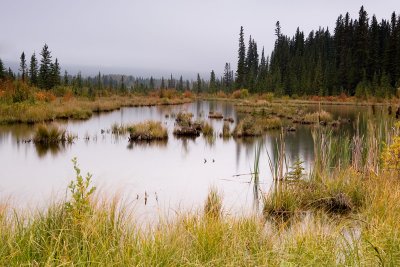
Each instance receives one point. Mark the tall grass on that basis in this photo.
(84, 230)
(147, 131)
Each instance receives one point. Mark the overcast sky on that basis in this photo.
(160, 36)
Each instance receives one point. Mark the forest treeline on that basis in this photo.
(360, 58)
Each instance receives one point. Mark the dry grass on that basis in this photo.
(147, 131)
(75, 108)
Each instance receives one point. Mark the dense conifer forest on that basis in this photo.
(360, 57)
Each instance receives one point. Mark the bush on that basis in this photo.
(268, 96)
(240, 94)
(79, 206)
(221, 94)
(187, 94)
(45, 96)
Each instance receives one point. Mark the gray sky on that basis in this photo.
(159, 36)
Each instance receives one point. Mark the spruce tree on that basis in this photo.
(180, 84)
(241, 66)
(2, 70)
(198, 84)
(55, 73)
(23, 67)
(33, 70)
(45, 69)
(228, 77)
(162, 83)
(99, 82)
(66, 81)
(151, 85)
(212, 84)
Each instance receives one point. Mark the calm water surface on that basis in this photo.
(175, 175)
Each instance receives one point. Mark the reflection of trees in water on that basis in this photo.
(17, 132)
(148, 144)
(52, 149)
(185, 142)
(210, 140)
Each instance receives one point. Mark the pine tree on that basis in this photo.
(122, 87)
(45, 70)
(99, 82)
(241, 66)
(55, 74)
(2, 70)
(10, 74)
(23, 67)
(33, 70)
(198, 84)
(66, 82)
(180, 84)
(228, 77)
(213, 84)
(361, 45)
(151, 86)
(162, 83)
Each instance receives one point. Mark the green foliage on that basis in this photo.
(297, 170)
(357, 55)
(45, 75)
(81, 191)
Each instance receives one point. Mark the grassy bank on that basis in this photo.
(76, 108)
(82, 232)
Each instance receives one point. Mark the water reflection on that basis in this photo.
(159, 144)
(52, 149)
(175, 169)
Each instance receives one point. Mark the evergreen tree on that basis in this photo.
(162, 83)
(10, 74)
(198, 84)
(2, 70)
(99, 82)
(180, 84)
(241, 66)
(213, 84)
(66, 82)
(228, 77)
(45, 68)
(23, 67)
(55, 73)
(151, 83)
(122, 87)
(33, 70)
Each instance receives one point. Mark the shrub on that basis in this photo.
(207, 129)
(221, 94)
(187, 94)
(240, 93)
(81, 190)
(247, 127)
(226, 131)
(269, 97)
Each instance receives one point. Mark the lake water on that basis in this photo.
(175, 175)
